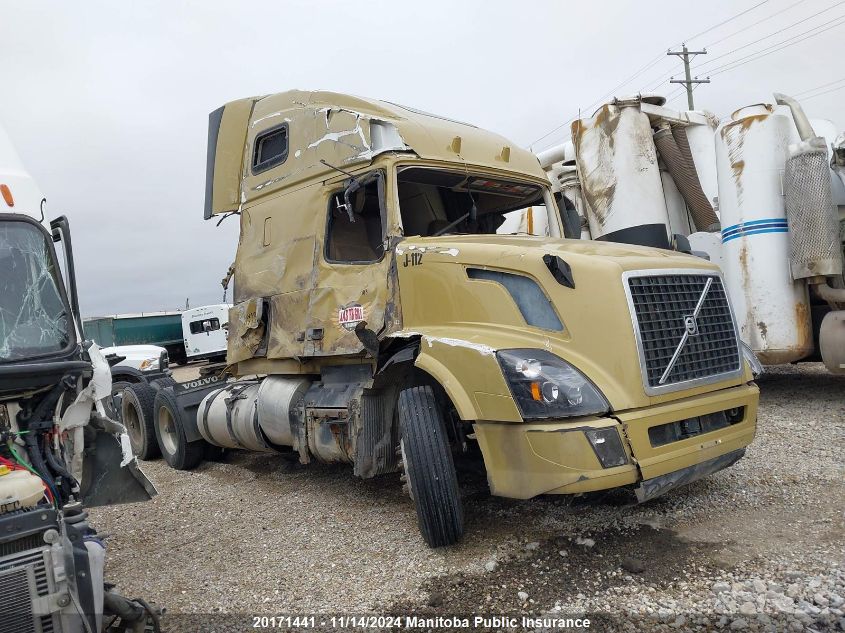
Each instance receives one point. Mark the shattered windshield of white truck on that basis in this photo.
(33, 314)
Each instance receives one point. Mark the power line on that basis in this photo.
(786, 28)
(772, 49)
(822, 93)
(674, 95)
(649, 66)
(710, 61)
(756, 24)
(714, 27)
(830, 83)
(631, 78)
(730, 19)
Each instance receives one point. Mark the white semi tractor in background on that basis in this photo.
(762, 194)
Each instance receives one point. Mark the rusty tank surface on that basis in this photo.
(406, 297)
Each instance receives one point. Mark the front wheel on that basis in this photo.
(427, 459)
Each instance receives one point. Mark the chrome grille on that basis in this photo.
(684, 328)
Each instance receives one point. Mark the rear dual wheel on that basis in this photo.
(136, 412)
(169, 429)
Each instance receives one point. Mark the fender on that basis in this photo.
(463, 401)
(130, 374)
(470, 375)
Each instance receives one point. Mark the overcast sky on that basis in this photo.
(108, 102)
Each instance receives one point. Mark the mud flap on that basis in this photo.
(104, 480)
(651, 488)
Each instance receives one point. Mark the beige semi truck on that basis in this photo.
(382, 318)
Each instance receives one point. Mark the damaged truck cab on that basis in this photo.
(59, 452)
(405, 297)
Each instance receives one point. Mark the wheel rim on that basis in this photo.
(166, 430)
(132, 422)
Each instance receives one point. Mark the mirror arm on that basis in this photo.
(60, 229)
(355, 185)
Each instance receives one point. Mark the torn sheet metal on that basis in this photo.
(430, 340)
(79, 411)
(319, 133)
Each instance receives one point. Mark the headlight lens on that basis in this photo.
(753, 361)
(545, 386)
(148, 364)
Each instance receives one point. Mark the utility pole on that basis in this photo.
(686, 55)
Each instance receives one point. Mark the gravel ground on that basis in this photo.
(756, 547)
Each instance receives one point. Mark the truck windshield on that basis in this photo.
(435, 202)
(33, 315)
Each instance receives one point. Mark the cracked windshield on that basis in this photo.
(33, 319)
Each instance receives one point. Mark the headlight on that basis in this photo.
(148, 363)
(544, 386)
(753, 361)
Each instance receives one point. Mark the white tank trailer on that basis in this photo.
(761, 194)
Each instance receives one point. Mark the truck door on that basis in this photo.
(351, 290)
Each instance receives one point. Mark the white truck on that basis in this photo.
(205, 330)
(59, 451)
(762, 194)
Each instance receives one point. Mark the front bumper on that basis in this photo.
(556, 457)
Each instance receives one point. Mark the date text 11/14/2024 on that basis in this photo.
(346, 622)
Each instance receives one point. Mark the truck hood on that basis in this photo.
(623, 256)
(135, 355)
(444, 300)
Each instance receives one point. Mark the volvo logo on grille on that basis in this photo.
(691, 324)
(690, 329)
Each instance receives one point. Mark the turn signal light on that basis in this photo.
(7, 195)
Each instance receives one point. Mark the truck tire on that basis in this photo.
(136, 412)
(176, 450)
(161, 383)
(429, 468)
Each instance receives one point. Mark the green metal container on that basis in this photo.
(162, 329)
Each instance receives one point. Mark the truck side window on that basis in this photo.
(355, 239)
(270, 149)
(198, 327)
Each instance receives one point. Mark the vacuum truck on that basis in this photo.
(59, 453)
(392, 312)
(760, 194)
